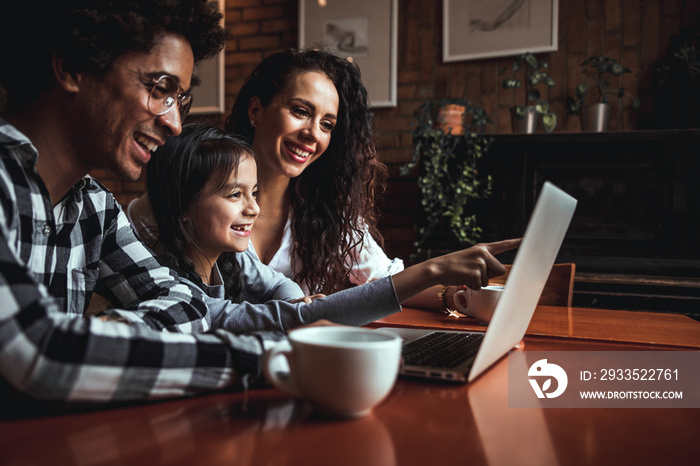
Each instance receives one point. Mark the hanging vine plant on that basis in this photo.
(446, 153)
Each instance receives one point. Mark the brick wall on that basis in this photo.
(635, 32)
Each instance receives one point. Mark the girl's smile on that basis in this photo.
(242, 230)
(223, 219)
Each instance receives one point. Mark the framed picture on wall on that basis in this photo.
(364, 31)
(475, 29)
(209, 95)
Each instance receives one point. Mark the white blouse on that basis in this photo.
(371, 262)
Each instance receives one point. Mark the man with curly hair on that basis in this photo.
(97, 84)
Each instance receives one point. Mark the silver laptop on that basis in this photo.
(531, 267)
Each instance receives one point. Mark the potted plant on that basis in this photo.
(450, 118)
(446, 153)
(596, 116)
(530, 72)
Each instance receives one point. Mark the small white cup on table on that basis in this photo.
(341, 371)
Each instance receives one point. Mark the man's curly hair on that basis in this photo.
(90, 34)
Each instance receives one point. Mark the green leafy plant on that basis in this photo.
(448, 178)
(529, 71)
(601, 69)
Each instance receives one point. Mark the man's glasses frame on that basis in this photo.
(165, 91)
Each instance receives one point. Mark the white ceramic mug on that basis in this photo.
(342, 371)
(480, 304)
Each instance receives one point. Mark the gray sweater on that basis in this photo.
(265, 305)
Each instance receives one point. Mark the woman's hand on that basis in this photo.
(474, 266)
(471, 267)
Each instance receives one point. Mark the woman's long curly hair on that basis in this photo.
(334, 198)
(176, 177)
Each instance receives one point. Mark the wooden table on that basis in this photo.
(420, 423)
(648, 328)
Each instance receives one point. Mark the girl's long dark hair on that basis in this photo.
(334, 198)
(175, 179)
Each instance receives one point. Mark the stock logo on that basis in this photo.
(542, 369)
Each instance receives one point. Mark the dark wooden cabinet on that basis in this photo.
(635, 236)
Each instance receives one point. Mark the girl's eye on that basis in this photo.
(235, 195)
(255, 194)
(327, 126)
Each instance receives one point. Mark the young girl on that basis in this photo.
(203, 187)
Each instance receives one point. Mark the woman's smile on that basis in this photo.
(295, 128)
(298, 153)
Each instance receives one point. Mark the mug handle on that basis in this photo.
(458, 302)
(288, 383)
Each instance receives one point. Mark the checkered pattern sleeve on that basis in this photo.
(131, 278)
(47, 354)
(50, 351)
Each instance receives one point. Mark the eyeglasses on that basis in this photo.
(165, 93)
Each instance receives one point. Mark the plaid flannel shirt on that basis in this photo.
(51, 261)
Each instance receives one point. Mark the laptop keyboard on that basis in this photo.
(441, 349)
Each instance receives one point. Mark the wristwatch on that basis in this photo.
(443, 301)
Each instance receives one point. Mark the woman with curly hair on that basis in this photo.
(307, 115)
